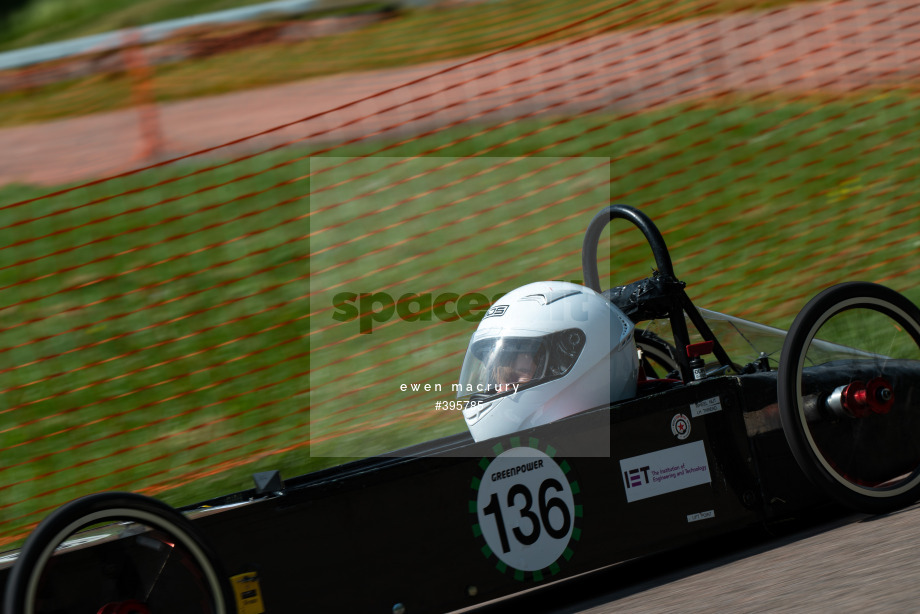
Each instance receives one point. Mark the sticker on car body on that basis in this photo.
(708, 406)
(680, 426)
(526, 510)
(665, 471)
(701, 516)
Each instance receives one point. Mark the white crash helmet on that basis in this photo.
(545, 351)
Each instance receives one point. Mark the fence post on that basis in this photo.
(141, 79)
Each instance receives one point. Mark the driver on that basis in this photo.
(520, 369)
(543, 352)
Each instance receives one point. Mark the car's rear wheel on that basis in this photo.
(849, 395)
(116, 552)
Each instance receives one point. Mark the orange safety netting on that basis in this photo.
(205, 316)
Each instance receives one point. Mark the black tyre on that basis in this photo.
(117, 552)
(849, 395)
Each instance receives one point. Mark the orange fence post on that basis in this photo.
(141, 75)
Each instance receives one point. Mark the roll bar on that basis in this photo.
(671, 300)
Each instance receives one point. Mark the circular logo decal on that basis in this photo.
(680, 426)
(525, 510)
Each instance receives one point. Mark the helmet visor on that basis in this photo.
(502, 365)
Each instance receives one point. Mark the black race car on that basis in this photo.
(734, 425)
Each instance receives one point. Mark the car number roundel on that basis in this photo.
(526, 511)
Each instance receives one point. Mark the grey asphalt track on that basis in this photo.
(851, 563)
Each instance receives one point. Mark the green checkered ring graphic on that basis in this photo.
(525, 509)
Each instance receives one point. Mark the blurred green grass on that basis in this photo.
(208, 379)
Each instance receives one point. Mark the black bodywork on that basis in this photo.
(368, 535)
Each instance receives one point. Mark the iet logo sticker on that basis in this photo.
(664, 471)
(636, 477)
